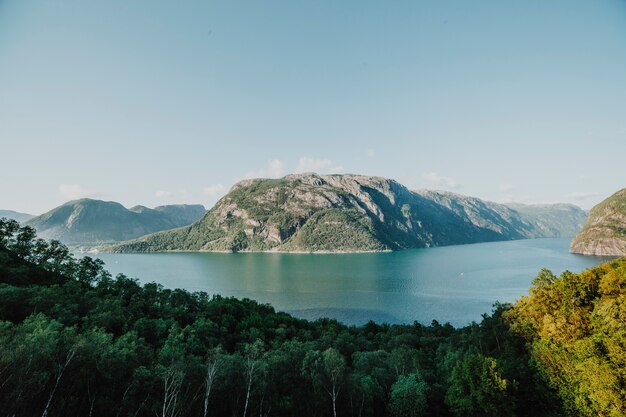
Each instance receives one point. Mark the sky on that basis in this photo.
(157, 102)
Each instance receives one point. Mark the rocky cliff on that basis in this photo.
(604, 232)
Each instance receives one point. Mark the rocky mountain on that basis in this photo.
(553, 220)
(604, 232)
(14, 215)
(310, 212)
(88, 222)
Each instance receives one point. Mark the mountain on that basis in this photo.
(14, 215)
(90, 222)
(604, 232)
(310, 212)
(553, 220)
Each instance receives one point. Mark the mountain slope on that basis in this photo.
(310, 212)
(604, 232)
(90, 222)
(552, 220)
(14, 215)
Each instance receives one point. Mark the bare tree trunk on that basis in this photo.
(119, 410)
(208, 379)
(91, 406)
(141, 405)
(250, 375)
(69, 358)
(334, 401)
(172, 383)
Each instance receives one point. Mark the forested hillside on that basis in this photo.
(576, 328)
(76, 341)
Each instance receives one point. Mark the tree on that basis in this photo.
(408, 396)
(327, 370)
(171, 369)
(478, 388)
(212, 363)
(252, 355)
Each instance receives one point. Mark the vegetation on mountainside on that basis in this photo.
(576, 328)
(88, 222)
(76, 341)
(310, 212)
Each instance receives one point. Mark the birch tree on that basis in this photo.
(252, 355)
(327, 370)
(213, 363)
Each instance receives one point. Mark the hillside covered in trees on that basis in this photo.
(76, 341)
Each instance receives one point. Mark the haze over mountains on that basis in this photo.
(604, 232)
(310, 212)
(15, 215)
(88, 222)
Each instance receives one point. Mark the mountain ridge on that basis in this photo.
(89, 222)
(339, 213)
(15, 215)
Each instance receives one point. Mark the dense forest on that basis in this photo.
(75, 341)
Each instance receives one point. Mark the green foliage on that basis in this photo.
(408, 396)
(478, 388)
(76, 341)
(576, 329)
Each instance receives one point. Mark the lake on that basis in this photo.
(455, 284)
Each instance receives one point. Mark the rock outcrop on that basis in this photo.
(604, 232)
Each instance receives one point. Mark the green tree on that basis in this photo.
(326, 370)
(478, 388)
(409, 396)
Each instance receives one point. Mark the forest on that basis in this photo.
(76, 341)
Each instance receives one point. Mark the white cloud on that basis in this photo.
(273, 169)
(162, 193)
(214, 189)
(74, 192)
(582, 195)
(306, 164)
(440, 180)
(505, 188)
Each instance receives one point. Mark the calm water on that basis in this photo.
(453, 284)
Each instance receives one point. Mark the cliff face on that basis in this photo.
(310, 212)
(604, 232)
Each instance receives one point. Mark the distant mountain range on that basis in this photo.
(604, 232)
(14, 215)
(311, 213)
(88, 222)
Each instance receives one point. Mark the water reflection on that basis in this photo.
(455, 283)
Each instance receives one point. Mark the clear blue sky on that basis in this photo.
(154, 102)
